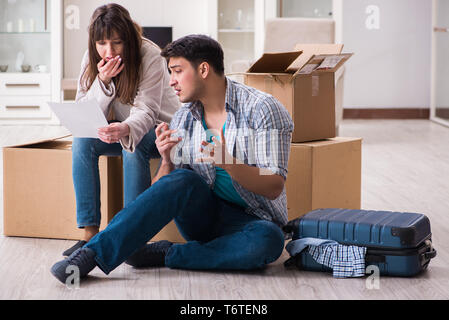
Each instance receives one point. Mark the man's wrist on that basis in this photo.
(167, 164)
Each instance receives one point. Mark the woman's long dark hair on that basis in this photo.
(105, 21)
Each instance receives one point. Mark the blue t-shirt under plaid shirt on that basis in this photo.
(258, 133)
(223, 182)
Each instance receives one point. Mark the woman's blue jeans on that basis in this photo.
(86, 176)
(220, 235)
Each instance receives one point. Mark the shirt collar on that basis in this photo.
(196, 107)
(231, 100)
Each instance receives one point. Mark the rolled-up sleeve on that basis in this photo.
(147, 104)
(273, 137)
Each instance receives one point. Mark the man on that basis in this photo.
(224, 165)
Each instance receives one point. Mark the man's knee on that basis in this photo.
(268, 239)
(183, 180)
(186, 176)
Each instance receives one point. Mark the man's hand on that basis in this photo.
(108, 69)
(216, 153)
(164, 141)
(114, 132)
(257, 180)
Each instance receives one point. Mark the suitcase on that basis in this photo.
(398, 243)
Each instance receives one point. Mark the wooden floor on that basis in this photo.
(405, 167)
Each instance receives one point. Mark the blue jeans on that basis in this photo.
(86, 176)
(220, 235)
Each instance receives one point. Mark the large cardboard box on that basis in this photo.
(39, 198)
(324, 174)
(304, 82)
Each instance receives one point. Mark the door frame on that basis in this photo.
(433, 73)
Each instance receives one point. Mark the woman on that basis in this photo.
(128, 78)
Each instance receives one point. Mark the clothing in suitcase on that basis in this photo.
(398, 243)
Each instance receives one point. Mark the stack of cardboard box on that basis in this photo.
(324, 171)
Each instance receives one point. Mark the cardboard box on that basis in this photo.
(304, 82)
(39, 198)
(324, 174)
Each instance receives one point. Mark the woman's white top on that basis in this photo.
(154, 103)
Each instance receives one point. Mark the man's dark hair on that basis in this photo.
(197, 49)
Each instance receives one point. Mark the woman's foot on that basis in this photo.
(71, 250)
(89, 233)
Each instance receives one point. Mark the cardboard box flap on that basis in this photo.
(325, 63)
(52, 145)
(38, 142)
(311, 49)
(325, 142)
(274, 62)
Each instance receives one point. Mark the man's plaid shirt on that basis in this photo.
(258, 133)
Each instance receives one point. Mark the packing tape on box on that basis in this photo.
(315, 86)
(330, 62)
(308, 68)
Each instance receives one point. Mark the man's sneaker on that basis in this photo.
(71, 250)
(82, 261)
(151, 255)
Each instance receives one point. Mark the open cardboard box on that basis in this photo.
(324, 174)
(39, 198)
(304, 82)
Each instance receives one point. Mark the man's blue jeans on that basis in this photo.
(219, 235)
(86, 176)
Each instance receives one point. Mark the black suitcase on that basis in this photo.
(398, 243)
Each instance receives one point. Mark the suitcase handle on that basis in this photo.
(430, 254)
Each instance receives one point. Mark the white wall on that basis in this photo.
(391, 66)
(186, 17)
